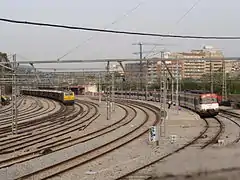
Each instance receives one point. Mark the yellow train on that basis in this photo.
(5, 100)
(66, 97)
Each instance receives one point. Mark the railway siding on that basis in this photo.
(186, 125)
(49, 107)
(229, 109)
(192, 161)
(140, 152)
(26, 167)
(195, 161)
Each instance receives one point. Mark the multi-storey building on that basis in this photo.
(214, 65)
(151, 69)
(193, 64)
(173, 66)
(192, 68)
(196, 62)
(232, 67)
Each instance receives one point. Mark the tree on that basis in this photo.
(4, 58)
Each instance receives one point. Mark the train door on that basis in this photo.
(195, 103)
(179, 101)
(185, 100)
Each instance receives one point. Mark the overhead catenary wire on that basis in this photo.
(178, 21)
(49, 61)
(118, 31)
(112, 23)
(189, 10)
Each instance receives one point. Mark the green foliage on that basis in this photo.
(234, 86)
(4, 58)
(3, 55)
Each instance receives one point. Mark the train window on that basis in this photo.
(68, 93)
(195, 101)
(208, 100)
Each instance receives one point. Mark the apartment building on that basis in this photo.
(173, 66)
(151, 70)
(193, 64)
(196, 68)
(193, 69)
(215, 65)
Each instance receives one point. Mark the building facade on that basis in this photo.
(196, 62)
(191, 65)
(134, 73)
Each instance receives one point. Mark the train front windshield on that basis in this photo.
(208, 100)
(68, 93)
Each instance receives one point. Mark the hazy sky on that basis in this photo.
(209, 17)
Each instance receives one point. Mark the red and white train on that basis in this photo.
(202, 102)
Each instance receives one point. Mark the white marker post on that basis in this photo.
(173, 138)
(153, 134)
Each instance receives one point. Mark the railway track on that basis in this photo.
(23, 143)
(58, 144)
(213, 129)
(233, 120)
(229, 117)
(32, 109)
(100, 151)
(7, 108)
(35, 110)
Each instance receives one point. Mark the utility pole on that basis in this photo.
(84, 84)
(151, 72)
(224, 81)
(211, 75)
(141, 57)
(108, 92)
(164, 97)
(146, 83)
(122, 83)
(30, 81)
(2, 86)
(99, 87)
(14, 97)
(54, 77)
(177, 86)
(172, 86)
(35, 82)
(113, 88)
(163, 94)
